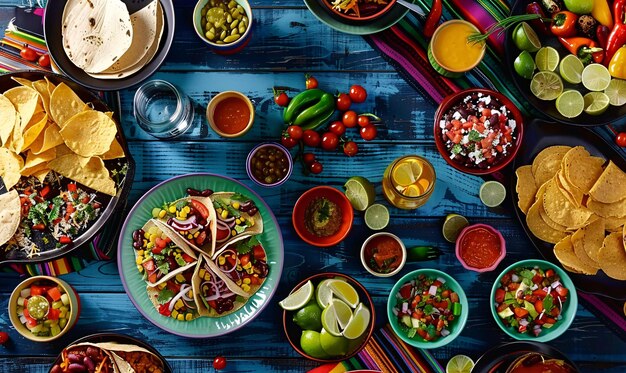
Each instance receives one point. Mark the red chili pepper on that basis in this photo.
(617, 38)
(39, 227)
(564, 24)
(602, 34)
(44, 191)
(64, 240)
(433, 18)
(583, 48)
(537, 24)
(71, 187)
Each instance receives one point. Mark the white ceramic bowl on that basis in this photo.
(370, 270)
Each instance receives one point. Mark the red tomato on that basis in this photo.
(258, 252)
(358, 94)
(201, 238)
(308, 158)
(44, 60)
(369, 133)
(281, 99)
(405, 291)
(219, 363)
(349, 119)
(311, 82)
(500, 295)
(330, 141)
(363, 121)
(311, 138)
(620, 139)
(350, 148)
(561, 291)
(316, 167)
(28, 53)
(337, 128)
(295, 132)
(539, 306)
(222, 234)
(288, 142)
(198, 206)
(343, 102)
(4, 337)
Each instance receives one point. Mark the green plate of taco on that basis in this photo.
(200, 255)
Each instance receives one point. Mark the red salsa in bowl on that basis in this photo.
(383, 254)
(230, 114)
(480, 248)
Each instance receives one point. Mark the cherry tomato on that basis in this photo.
(311, 82)
(28, 54)
(369, 132)
(350, 148)
(295, 132)
(311, 138)
(288, 142)
(330, 141)
(358, 94)
(219, 363)
(308, 158)
(343, 102)
(316, 168)
(44, 60)
(281, 99)
(349, 119)
(4, 338)
(363, 121)
(620, 139)
(337, 128)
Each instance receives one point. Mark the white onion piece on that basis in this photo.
(184, 288)
(433, 290)
(523, 322)
(534, 287)
(442, 280)
(555, 284)
(227, 295)
(405, 307)
(25, 293)
(175, 299)
(212, 297)
(445, 332)
(514, 278)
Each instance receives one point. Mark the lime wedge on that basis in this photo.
(547, 59)
(453, 225)
(546, 85)
(596, 77)
(596, 103)
(460, 364)
(376, 217)
(492, 193)
(360, 192)
(343, 312)
(571, 69)
(345, 292)
(323, 294)
(524, 65)
(525, 38)
(616, 92)
(358, 323)
(570, 103)
(298, 298)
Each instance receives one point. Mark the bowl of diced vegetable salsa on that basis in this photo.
(427, 308)
(43, 308)
(533, 300)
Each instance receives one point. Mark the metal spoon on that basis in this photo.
(412, 7)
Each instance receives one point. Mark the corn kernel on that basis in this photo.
(162, 285)
(145, 242)
(239, 267)
(190, 294)
(139, 259)
(251, 223)
(207, 276)
(224, 214)
(190, 236)
(221, 260)
(150, 245)
(180, 317)
(246, 281)
(183, 215)
(174, 313)
(233, 233)
(172, 209)
(256, 275)
(179, 304)
(146, 235)
(236, 205)
(140, 268)
(180, 278)
(195, 235)
(249, 270)
(140, 252)
(187, 209)
(162, 214)
(202, 272)
(237, 221)
(188, 317)
(248, 265)
(153, 238)
(245, 287)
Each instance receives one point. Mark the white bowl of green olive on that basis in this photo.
(225, 25)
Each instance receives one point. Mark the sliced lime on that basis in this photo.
(343, 312)
(524, 65)
(298, 298)
(596, 77)
(571, 69)
(546, 85)
(492, 193)
(616, 92)
(360, 192)
(547, 59)
(323, 294)
(358, 323)
(329, 319)
(453, 225)
(525, 38)
(596, 103)
(570, 103)
(460, 364)
(345, 292)
(376, 217)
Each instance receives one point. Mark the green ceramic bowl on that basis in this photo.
(569, 309)
(456, 327)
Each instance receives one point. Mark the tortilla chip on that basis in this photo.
(33, 132)
(22, 81)
(33, 159)
(561, 211)
(9, 215)
(614, 224)
(10, 166)
(64, 104)
(9, 117)
(593, 239)
(581, 169)
(589, 266)
(616, 209)
(610, 186)
(41, 174)
(557, 149)
(51, 138)
(548, 168)
(613, 256)
(41, 86)
(90, 172)
(525, 187)
(539, 228)
(573, 194)
(564, 252)
(25, 101)
(89, 133)
(114, 152)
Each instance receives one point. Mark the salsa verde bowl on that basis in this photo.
(567, 311)
(223, 47)
(396, 301)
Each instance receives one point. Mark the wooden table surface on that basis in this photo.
(289, 41)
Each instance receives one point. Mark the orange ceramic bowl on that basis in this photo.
(332, 195)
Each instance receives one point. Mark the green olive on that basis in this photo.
(212, 30)
(203, 12)
(229, 18)
(240, 8)
(219, 23)
(235, 13)
(232, 38)
(234, 32)
(219, 42)
(234, 24)
(244, 19)
(223, 35)
(210, 35)
(232, 4)
(242, 28)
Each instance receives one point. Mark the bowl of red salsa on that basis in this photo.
(480, 248)
(383, 254)
(230, 114)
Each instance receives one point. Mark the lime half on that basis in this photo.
(298, 298)
(376, 217)
(460, 364)
(524, 65)
(453, 225)
(345, 292)
(492, 193)
(546, 85)
(570, 103)
(596, 77)
(571, 69)
(358, 323)
(360, 192)
(525, 38)
(547, 59)
(596, 103)
(616, 92)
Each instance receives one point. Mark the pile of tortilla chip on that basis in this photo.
(577, 202)
(49, 128)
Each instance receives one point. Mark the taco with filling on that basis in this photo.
(217, 294)
(176, 297)
(245, 263)
(90, 356)
(130, 358)
(237, 218)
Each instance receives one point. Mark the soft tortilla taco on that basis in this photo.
(176, 297)
(217, 295)
(130, 358)
(90, 356)
(237, 218)
(9, 215)
(245, 263)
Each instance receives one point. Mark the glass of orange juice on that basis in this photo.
(450, 53)
(409, 181)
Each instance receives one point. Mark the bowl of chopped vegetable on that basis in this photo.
(43, 308)
(533, 300)
(427, 308)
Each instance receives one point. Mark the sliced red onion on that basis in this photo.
(523, 322)
(183, 225)
(555, 284)
(227, 220)
(221, 224)
(405, 307)
(184, 288)
(537, 326)
(536, 332)
(231, 225)
(433, 290)
(445, 332)
(514, 277)
(212, 297)
(227, 295)
(176, 298)
(213, 285)
(395, 311)
(534, 287)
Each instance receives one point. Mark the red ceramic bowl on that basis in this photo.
(293, 331)
(492, 230)
(455, 98)
(332, 195)
(351, 17)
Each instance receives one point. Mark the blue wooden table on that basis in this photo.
(288, 42)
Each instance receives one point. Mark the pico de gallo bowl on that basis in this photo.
(533, 300)
(478, 131)
(427, 308)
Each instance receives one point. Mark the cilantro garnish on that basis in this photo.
(457, 148)
(239, 197)
(474, 136)
(164, 268)
(165, 295)
(245, 246)
(548, 303)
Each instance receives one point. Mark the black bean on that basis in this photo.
(92, 352)
(193, 192)
(89, 363)
(494, 119)
(253, 211)
(206, 192)
(74, 358)
(76, 368)
(136, 235)
(137, 245)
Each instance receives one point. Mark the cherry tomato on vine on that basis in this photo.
(349, 119)
(219, 363)
(363, 121)
(4, 337)
(330, 141)
(28, 53)
(311, 82)
(358, 94)
(308, 158)
(288, 142)
(337, 128)
(311, 138)
(44, 60)
(295, 132)
(281, 99)
(368, 133)
(343, 102)
(316, 168)
(620, 139)
(350, 148)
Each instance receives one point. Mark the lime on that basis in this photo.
(524, 65)
(403, 174)
(298, 298)
(596, 103)
(571, 69)
(309, 317)
(345, 292)
(596, 77)
(546, 85)
(323, 294)
(453, 225)
(570, 103)
(525, 38)
(616, 92)
(460, 364)
(376, 217)
(579, 6)
(360, 192)
(333, 345)
(329, 319)
(358, 323)
(311, 344)
(547, 59)
(492, 193)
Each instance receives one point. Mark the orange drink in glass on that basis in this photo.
(409, 181)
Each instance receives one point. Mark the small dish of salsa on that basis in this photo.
(480, 248)
(230, 114)
(383, 254)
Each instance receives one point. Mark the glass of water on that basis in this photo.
(162, 110)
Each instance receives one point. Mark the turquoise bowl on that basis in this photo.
(568, 313)
(456, 327)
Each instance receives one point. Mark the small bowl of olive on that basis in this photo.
(225, 25)
(269, 164)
